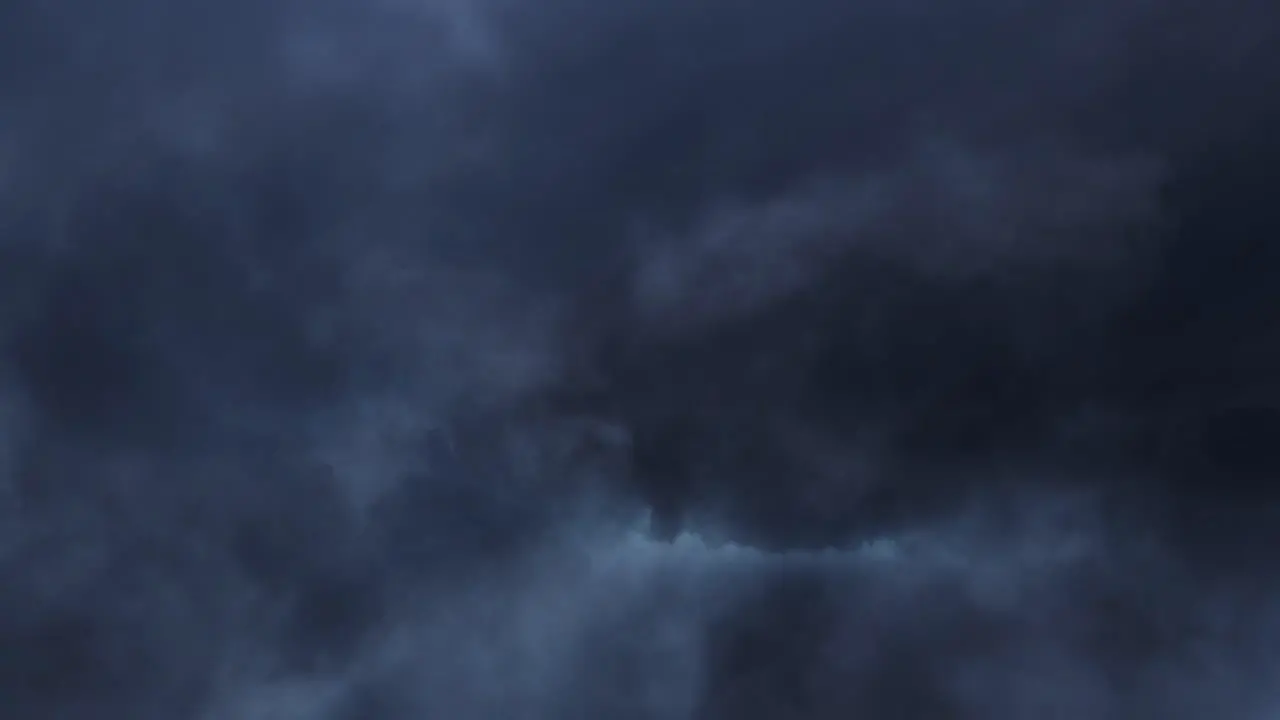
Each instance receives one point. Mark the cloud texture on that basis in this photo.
(489, 359)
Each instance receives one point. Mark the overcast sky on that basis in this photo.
(493, 360)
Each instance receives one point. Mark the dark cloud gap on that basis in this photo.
(655, 360)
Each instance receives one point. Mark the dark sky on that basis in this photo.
(666, 360)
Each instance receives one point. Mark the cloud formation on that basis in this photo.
(344, 341)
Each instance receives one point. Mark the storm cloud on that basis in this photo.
(496, 359)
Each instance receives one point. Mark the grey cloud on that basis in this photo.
(1022, 215)
(338, 336)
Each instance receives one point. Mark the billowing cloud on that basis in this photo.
(343, 342)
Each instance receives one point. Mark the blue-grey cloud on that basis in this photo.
(344, 340)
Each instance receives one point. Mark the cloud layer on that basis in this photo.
(344, 343)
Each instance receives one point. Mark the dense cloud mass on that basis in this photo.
(493, 360)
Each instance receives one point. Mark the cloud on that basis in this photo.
(1020, 215)
(294, 294)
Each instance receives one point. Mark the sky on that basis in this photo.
(500, 360)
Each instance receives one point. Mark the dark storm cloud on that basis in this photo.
(342, 340)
